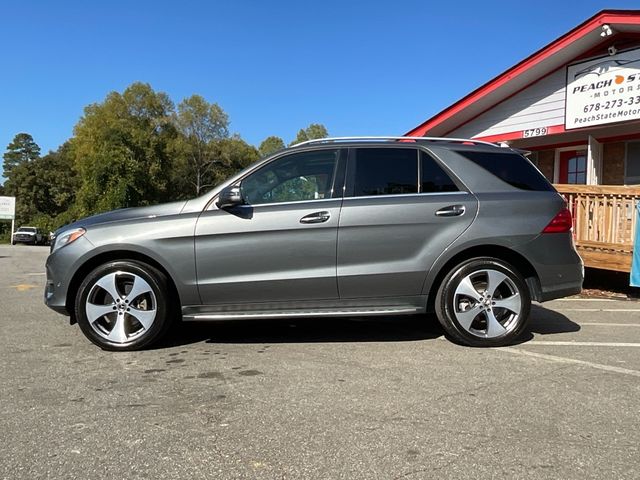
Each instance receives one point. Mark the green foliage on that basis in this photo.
(23, 149)
(121, 150)
(134, 148)
(270, 145)
(44, 187)
(233, 155)
(200, 125)
(313, 131)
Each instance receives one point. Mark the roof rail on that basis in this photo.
(373, 138)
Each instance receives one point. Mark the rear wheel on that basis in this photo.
(483, 302)
(123, 305)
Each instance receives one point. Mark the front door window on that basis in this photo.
(294, 178)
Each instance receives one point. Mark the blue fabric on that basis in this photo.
(635, 265)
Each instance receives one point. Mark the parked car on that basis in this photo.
(30, 235)
(333, 227)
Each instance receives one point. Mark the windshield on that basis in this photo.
(27, 230)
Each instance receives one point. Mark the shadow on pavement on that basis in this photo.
(307, 330)
(370, 329)
(547, 322)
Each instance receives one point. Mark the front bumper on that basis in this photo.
(24, 240)
(61, 267)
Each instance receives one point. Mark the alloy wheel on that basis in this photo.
(121, 306)
(487, 303)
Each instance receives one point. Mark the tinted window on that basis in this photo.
(511, 168)
(434, 178)
(297, 177)
(386, 171)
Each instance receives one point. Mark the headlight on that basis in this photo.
(67, 237)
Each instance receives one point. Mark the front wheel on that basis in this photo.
(123, 305)
(483, 302)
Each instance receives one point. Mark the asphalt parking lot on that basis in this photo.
(384, 398)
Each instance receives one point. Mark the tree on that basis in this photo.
(44, 188)
(270, 145)
(121, 150)
(313, 131)
(22, 149)
(233, 155)
(200, 125)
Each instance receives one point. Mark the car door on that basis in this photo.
(393, 226)
(281, 244)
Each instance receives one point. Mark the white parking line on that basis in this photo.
(583, 344)
(597, 309)
(605, 324)
(588, 300)
(554, 358)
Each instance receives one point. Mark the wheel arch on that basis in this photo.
(112, 256)
(518, 261)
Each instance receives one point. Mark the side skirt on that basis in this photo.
(327, 308)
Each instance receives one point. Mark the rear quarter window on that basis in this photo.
(511, 168)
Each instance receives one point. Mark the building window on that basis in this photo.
(573, 167)
(632, 164)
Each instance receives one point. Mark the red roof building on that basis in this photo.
(573, 99)
(575, 104)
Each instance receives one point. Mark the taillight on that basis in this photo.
(561, 223)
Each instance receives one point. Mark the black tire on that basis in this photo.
(164, 314)
(446, 309)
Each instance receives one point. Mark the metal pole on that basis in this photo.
(12, 226)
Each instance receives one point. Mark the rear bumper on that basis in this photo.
(559, 267)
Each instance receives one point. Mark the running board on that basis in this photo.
(341, 312)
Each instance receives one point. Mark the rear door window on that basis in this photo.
(385, 171)
(511, 168)
(433, 178)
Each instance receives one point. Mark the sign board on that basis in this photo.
(603, 90)
(7, 208)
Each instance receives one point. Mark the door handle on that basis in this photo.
(451, 211)
(317, 217)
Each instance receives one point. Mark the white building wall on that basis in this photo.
(539, 105)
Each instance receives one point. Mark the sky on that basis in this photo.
(359, 68)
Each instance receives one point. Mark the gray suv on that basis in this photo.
(332, 227)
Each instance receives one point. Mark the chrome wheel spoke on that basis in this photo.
(466, 288)
(108, 283)
(466, 317)
(478, 295)
(140, 287)
(95, 312)
(145, 317)
(511, 303)
(494, 280)
(494, 327)
(118, 333)
(132, 315)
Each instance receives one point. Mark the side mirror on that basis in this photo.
(230, 197)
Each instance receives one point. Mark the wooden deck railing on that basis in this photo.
(604, 223)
